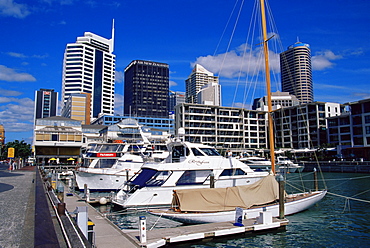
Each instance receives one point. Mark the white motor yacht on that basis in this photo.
(189, 165)
(256, 163)
(285, 165)
(106, 174)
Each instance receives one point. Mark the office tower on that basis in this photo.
(77, 107)
(46, 103)
(296, 72)
(89, 67)
(146, 89)
(174, 99)
(198, 78)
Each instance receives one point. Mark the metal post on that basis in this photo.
(315, 179)
(281, 181)
(82, 219)
(142, 229)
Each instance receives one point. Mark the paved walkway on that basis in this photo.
(22, 226)
(16, 207)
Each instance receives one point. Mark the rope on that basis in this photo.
(349, 198)
(155, 223)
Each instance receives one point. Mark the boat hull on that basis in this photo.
(291, 207)
(100, 181)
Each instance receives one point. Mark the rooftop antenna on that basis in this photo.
(112, 39)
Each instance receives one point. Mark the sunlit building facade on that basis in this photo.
(89, 67)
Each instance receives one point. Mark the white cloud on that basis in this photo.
(118, 104)
(18, 115)
(4, 92)
(119, 75)
(17, 55)
(10, 75)
(323, 60)
(13, 9)
(242, 61)
(172, 83)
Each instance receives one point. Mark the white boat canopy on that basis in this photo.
(261, 192)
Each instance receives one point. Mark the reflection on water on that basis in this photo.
(333, 222)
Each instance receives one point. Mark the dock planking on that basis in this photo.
(188, 233)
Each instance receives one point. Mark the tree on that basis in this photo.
(22, 149)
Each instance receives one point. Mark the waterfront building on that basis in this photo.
(160, 124)
(57, 137)
(130, 130)
(89, 67)
(296, 72)
(46, 103)
(77, 107)
(146, 89)
(226, 128)
(350, 131)
(174, 99)
(199, 78)
(92, 134)
(278, 99)
(303, 126)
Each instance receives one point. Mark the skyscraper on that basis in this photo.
(198, 78)
(296, 72)
(146, 89)
(46, 102)
(89, 67)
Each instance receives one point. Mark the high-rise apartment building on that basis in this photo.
(89, 67)
(296, 72)
(197, 80)
(46, 103)
(146, 89)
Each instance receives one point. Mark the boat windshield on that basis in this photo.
(105, 163)
(196, 152)
(193, 177)
(210, 151)
(232, 172)
(150, 178)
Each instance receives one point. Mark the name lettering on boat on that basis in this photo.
(198, 162)
(106, 154)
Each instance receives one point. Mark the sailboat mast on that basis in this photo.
(268, 86)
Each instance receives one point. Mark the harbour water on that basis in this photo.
(335, 221)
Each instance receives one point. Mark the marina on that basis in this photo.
(340, 219)
(184, 187)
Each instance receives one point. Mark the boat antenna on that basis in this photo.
(268, 87)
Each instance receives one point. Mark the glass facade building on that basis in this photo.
(46, 102)
(146, 89)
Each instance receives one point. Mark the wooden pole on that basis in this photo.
(281, 181)
(268, 87)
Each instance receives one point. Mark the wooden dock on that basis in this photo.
(106, 234)
(165, 236)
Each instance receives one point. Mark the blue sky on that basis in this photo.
(34, 34)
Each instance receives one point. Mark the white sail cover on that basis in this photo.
(264, 191)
